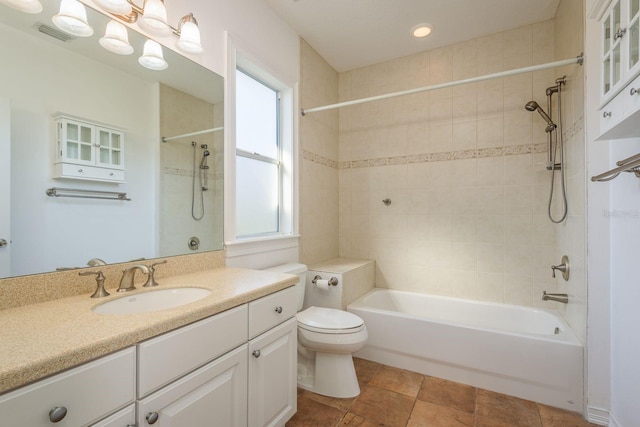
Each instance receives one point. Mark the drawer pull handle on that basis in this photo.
(256, 353)
(606, 114)
(634, 91)
(152, 417)
(57, 414)
(279, 309)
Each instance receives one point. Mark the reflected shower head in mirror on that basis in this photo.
(533, 106)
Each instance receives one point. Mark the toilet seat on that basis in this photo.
(329, 321)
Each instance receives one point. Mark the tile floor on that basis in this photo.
(395, 397)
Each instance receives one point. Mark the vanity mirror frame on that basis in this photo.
(183, 76)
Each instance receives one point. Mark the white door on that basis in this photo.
(272, 376)
(5, 187)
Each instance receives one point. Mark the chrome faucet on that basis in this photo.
(563, 298)
(126, 282)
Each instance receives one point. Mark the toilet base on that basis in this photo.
(328, 374)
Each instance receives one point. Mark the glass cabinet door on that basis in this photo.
(634, 33)
(110, 148)
(77, 140)
(611, 49)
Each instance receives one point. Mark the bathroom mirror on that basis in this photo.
(174, 187)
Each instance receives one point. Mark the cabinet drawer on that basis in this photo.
(169, 356)
(269, 311)
(88, 392)
(92, 173)
(611, 114)
(632, 97)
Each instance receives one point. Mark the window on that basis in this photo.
(259, 166)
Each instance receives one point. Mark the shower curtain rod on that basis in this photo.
(200, 132)
(578, 60)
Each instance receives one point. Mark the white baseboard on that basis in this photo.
(600, 416)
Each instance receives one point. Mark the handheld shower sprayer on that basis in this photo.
(533, 106)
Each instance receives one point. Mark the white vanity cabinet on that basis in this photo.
(78, 397)
(273, 359)
(123, 418)
(88, 151)
(620, 67)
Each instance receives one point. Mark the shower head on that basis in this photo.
(533, 106)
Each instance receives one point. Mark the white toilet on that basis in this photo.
(327, 337)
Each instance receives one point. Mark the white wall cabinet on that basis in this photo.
(620, 65)
(74, 398)
(88, 151)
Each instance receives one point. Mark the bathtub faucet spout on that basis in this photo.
(563, 298)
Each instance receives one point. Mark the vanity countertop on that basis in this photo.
(42, 339)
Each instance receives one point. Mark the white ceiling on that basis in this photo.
(350, 34)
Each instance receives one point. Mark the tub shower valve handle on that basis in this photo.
(100, 291)
(563, 267)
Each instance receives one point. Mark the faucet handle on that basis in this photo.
(151, 281)
(100, 291)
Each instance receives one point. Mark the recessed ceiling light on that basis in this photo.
(421, 30)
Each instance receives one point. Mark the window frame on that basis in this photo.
(253, 252)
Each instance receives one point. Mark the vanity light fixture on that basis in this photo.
(27, 6)
(116, 39)
(72, 19)
(152, 18)
(421, 30)
(189, 35)
(152, 57)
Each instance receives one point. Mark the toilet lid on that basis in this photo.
(328, 318)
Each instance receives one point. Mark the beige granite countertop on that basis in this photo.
(42, 339)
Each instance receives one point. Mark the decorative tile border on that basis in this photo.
(510, 150)
(428, 157)
(166, 170)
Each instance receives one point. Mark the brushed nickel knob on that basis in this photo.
(256, 353)
(57, 414)
(634, 91)
(279, 309)
(606, 114)
(152, 417)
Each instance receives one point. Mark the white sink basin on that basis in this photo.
(146, 302)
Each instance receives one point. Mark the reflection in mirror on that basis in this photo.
(175, 190)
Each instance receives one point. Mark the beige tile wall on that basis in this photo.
(464, 167)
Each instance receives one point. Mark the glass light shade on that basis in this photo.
(118, 7)
(190, 38)
(116, 39)
(152, 57)
(154, 19)
(72, 19)
(28, 6)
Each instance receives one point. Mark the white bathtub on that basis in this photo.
(525, 352)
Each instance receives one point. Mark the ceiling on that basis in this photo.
(350, 34)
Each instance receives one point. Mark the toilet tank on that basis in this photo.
(297, 269)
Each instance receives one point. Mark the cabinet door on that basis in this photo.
(272, 376)
(110, 148)
(123, 418)
(214, 395)
(611, 49)
(76, 140)
(633, 45)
